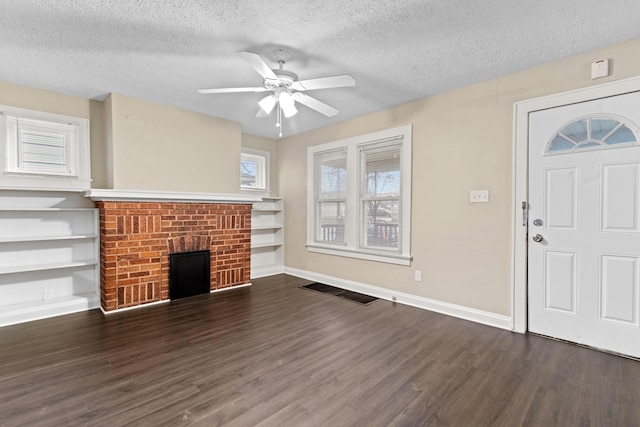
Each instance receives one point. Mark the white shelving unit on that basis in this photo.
(266, 238)
(49, 261)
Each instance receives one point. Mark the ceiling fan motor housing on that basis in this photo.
(286, 79)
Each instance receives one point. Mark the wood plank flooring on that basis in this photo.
(277, 355)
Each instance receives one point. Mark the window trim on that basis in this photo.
(79, 180)
(264, 158)
(351, 248)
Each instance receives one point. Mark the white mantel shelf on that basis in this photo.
(162, 196)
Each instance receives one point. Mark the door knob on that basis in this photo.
(538, 238)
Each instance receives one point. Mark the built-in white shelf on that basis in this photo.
(46, 238)
(41, 209)
(266, 244)
(34, 310)
(49, 256)
(266, 227)
(267, 237)
(41, 267)
(266, 211)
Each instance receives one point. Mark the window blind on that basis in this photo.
(380, 194)
(38, 147)
(330, 195)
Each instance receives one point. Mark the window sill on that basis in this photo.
(369, 256)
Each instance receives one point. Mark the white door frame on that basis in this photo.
(520, 183)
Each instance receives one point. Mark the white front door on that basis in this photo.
(584, 223)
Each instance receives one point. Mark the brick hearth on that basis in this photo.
(136, 239)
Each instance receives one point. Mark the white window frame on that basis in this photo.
(77, 171)
(350, 247)
(262, 160)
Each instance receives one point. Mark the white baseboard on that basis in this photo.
(27, 312)
(462, 312)
(257, 272)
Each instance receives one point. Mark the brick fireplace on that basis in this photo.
(138, 232)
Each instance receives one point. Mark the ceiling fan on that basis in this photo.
(285, 87)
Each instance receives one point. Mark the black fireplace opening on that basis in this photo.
(189, 274)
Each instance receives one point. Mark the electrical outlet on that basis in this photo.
(47, 294)
(479, 196)
(417, 276)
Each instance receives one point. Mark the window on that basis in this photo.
(331, 195)
(380, 198)
(43, 150)
(359, 197)
(40, 147)
(593, 133)
(254, 170)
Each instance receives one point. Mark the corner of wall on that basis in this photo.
(98, 144)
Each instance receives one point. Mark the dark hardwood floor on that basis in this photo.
(276, 355)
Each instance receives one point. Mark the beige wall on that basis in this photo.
(100, 155)
(157, 147)
(271, 146)
(43, 100)
(107, 141)
(462, 140)
(144, 146)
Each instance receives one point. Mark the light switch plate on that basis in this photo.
(479, 196)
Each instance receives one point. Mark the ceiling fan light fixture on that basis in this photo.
(267, 103)
(289, 111)
(288, 104)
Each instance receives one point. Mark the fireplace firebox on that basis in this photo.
(189, 274)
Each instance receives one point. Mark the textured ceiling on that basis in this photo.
(398, 51)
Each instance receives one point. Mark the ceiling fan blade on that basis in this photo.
(342, 80)
(315, 104)
(234, 90)
(259, 65)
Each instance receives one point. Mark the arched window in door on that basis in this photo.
(593, 133)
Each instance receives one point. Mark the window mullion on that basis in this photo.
(351, 222)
